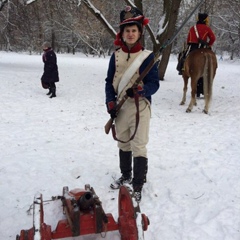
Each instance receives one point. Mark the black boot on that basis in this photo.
(49, 92)
(180, 66)
(200, 87)
(125, 165)
(139, 176)
(146, 170)
(53, 91)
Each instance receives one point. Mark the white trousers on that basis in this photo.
(126, 124)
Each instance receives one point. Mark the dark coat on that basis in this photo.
(50, 74)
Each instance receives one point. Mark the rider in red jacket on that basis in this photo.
(199, 36)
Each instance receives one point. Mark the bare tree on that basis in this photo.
(171, 8)
(171, 12)
(91, 25)
(227, 25)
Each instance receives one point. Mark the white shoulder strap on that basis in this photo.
(196, 31)
(132, 69)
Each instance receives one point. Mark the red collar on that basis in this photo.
(134, 49)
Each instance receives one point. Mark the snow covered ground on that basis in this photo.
(193, 190)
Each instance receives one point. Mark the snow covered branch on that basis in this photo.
(100, 17)
(161, 27)
(29, 1)
(2, 3)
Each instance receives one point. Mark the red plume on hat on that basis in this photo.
(130, 15)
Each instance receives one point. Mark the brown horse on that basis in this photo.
(199, 63)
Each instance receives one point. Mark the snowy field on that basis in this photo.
(193, 190)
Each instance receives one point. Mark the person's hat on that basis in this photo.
(202, 17)
(130, 16)
(46, 45)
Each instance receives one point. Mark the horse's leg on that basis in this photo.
(208, 82)
(206, 95)
(193, 94)
(185, 79)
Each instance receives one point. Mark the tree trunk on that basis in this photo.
(171, 11)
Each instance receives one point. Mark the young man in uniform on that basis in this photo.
(125, 66)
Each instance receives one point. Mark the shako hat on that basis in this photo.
(202, 17)
(130, 16)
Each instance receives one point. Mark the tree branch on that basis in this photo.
(2, 3)
(100, 17)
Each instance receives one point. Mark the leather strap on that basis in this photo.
(196, 32)
(136, 98)
(128, 74)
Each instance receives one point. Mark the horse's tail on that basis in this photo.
(208, 76)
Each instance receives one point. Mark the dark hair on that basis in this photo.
(131, 24)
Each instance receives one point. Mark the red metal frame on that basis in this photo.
(84, 215)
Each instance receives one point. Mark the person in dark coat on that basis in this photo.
(50, 74)
(199, 36)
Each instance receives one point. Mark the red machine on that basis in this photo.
(85, 215)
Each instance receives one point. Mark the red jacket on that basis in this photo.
(204, 33)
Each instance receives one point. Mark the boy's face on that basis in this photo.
(131, 34)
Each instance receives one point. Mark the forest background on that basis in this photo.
(90, 26)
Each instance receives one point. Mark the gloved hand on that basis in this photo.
(136, 90)
(111, 107)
